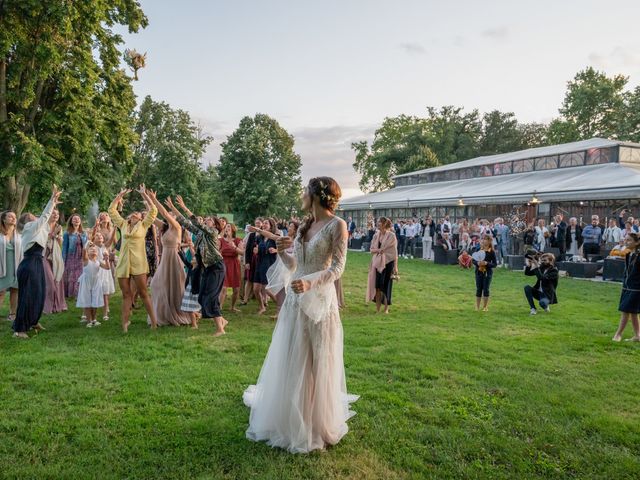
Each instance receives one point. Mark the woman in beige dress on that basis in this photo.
(167, 284)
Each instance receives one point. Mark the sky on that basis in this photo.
(330, 71)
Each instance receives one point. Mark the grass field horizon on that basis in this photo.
(446, 392)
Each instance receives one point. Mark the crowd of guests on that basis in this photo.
(180, 266)
(484, 245)
(512, 236)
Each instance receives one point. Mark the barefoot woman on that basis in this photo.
(31, 281)
(133, 257)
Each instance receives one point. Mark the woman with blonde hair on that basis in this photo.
(10, 258)
(384, 265)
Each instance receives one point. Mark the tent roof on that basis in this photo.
(594, 182)
(524, 154)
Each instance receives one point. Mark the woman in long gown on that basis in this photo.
(167, 284)
(54, 268)
(73, 242)
(31, 282)
(300, 401)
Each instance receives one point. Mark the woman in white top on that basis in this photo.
(10, 257)
(31, 281)
(542, 233)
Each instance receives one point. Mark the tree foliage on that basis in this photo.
(259, 170)
(404, 144)
(65, 103)
(169, 154)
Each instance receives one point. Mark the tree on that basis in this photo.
(259, 170)
(594, 106)
(169, 152)
(65, 103)
(500, 133)
(399, 146)
(453, 135)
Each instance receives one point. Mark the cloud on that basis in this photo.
(413, 48)
(459, 41)
(619, 57)
(324, 150)
(496, 33)
(327, 151)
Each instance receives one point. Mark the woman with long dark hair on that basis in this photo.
(300, 402)
(231, 248)
(31, 281)
(267, 253)
(54, 268)
(208, 278)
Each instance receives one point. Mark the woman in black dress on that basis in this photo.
(630, 297)
(208, 277)
(384, 265)
(31, 279)
(267, 254)
(484, 273)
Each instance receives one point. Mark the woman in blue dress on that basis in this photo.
(267, 254)
(630, 297)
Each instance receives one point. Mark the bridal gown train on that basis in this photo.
(300, 402)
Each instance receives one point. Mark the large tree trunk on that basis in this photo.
(16, 194)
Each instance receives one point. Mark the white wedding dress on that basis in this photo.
(300, 402)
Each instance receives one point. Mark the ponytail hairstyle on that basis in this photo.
(324, 190)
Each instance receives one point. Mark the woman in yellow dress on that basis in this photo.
(132, 263)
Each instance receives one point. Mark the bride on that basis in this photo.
(300, 402)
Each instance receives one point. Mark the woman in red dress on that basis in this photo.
(230, 247)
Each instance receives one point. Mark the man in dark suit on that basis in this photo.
(559, 239)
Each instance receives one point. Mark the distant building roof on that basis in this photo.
(593, 182)
(524, 154)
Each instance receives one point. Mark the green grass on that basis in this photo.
(445, 392)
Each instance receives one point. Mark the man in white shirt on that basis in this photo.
(411, 233)
(613, 233)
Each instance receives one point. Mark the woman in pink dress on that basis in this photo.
(168, 282)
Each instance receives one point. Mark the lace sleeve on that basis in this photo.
(279, 274)
(338, 259)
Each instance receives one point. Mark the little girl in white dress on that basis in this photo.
(105, 277)
(90, 292)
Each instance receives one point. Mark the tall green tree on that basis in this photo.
(453, 134)
(65, 103)
(259, 170)
(593, 106)
(399, 146)
(169, 153)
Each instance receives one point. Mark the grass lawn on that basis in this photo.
(445, 392)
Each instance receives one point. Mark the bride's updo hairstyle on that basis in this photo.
(324, 190)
